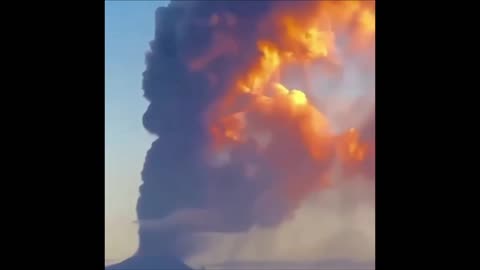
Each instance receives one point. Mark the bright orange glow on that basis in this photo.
(351, 149)
(367, 21)
(259, 101)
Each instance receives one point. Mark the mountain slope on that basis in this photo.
(149, 263)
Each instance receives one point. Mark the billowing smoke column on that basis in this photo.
(238, 144)
(175, 175)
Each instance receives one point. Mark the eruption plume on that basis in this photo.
(257, 105)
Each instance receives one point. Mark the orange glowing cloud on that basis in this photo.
(302, 142)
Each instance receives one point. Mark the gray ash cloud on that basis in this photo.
(173, 176)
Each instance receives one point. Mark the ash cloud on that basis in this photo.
(333, 225)
(174, 176)
(181, 197)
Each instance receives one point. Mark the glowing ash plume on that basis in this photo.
(256, 104)
(301, 146)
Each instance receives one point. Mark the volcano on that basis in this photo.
(150, 263)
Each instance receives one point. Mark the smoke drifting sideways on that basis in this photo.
(239, 146)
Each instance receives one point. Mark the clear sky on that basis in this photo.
(129, 27)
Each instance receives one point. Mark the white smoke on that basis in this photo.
(337, 223)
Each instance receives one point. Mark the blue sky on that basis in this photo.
(129, 27)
